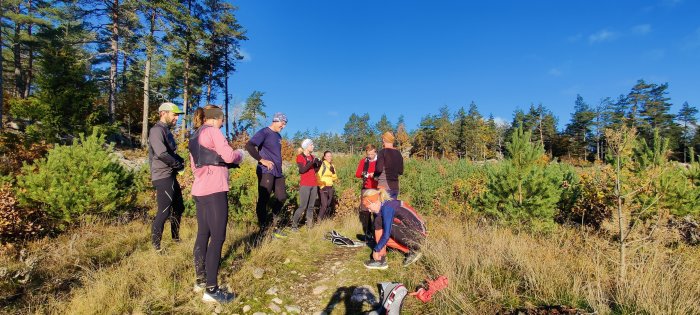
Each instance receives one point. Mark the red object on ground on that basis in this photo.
(425, 293)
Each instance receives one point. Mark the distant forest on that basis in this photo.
(69, 66)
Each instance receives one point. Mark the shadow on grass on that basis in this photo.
(353, 299)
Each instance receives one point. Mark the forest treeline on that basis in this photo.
(69, 66)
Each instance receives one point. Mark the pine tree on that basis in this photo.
(636, 98)
(461, 131)
(253, 112)
(444, 136)
(65, 100)
(688, 117)
(357, 132)
(2, 63)
(522, 190)
(424, 139)
(603, 120)
(579, 129)
(154, 13)
(383, 125)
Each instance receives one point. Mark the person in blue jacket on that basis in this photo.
(396, 225)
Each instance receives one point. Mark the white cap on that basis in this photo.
(306, 143)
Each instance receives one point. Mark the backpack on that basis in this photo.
(323, 168)
(340, 240)
(392, 294)
(365, 169)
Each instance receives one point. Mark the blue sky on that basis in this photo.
(320, 61)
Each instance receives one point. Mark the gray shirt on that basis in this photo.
(163, 160)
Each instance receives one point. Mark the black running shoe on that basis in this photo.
(218, 296)
(411, 257)
(377, 264)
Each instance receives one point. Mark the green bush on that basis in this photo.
(589, 197)
(532, 200)
(523, 189)
(675, 190)
(81, 179)
(243, 193)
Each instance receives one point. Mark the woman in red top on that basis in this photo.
(365, 170)
(308, 186)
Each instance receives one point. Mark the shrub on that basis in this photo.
(16, 149)
(532, 200)
(83, 178)
(17, 223)
(243, 193)
(522, 189)
(589, 199)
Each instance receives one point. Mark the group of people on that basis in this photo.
(386, 221)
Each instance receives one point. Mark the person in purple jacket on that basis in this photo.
(266, 147)
(210, 157)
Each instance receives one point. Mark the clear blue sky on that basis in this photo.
(320, 61)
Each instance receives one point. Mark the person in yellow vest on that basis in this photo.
(326, 176)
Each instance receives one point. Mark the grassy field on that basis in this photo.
(107, 266)
(104, 268)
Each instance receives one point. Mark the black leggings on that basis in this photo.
(326, 201)
(212, 216)
(267, 184)
(366, 218)
(170, 205)
(407, 236)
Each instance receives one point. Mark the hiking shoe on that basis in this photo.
(218, 296)
(294, 230)
(411, 257)
(377, 264)
(278, 234)
(199, 287)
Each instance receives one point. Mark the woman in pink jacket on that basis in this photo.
(210, 157)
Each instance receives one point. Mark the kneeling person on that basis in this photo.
(396, 225)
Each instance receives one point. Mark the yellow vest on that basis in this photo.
(324, 175)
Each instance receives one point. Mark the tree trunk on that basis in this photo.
(226, 94)
(125, 66)
(114, 60)
(620, 223)
(520, 193)
(147, 81)
(30, 55)
(185, 91)
(1, 66)
(210, 79)
(19, 80)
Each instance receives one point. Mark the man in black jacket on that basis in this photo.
(165, 164)
(389, 166)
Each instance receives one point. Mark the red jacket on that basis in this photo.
(369, 183)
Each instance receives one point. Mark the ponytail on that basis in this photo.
(198, 119)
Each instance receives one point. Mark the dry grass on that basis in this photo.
(492, 268)
(50, 268)
(102, 269)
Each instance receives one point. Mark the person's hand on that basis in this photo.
(376, 256)
(267, 163)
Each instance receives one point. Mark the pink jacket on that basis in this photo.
(210, 179)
